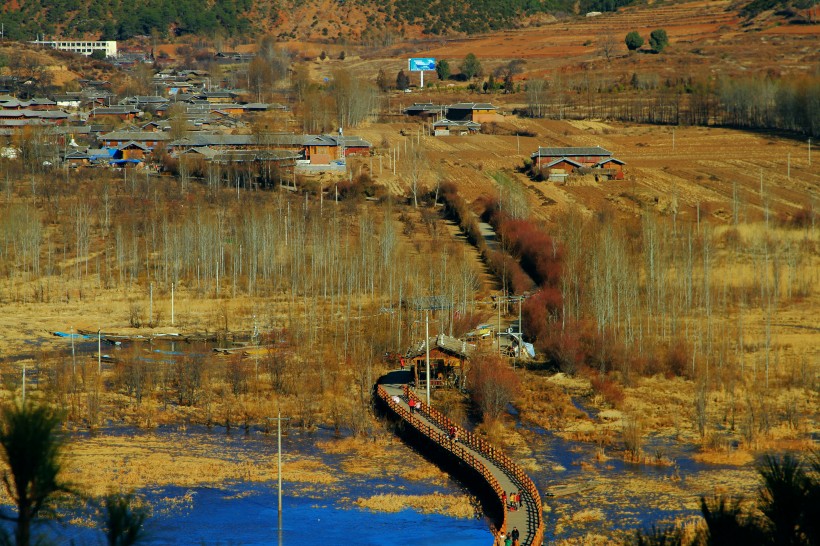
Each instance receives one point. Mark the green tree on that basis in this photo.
(98, 55)
(122, 520)
(443, 70)
(31, 449)
(633, 40)
(471, 67)
(658, 40)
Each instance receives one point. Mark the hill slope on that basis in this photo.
(122, 19)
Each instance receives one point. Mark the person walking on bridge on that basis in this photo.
(515, 536)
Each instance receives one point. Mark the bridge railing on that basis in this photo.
(443, 440)
(525, 484)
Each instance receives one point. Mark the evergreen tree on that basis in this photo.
(471, 67)
(402, 81)
(30, 448)
(443, 70)
(633, 41)
(658, 40)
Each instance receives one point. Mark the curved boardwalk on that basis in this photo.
(499, 471)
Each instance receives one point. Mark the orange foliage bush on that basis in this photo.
(493, 384)
(609, 389)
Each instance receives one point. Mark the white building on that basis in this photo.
(84, 48)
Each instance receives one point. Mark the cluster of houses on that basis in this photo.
(93, 127)
(554, 164)
(135, 146)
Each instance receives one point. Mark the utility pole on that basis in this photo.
(427, 346)
(73, 354)
(279, 420)
(172, 304)
(99, 351)
(498, 330)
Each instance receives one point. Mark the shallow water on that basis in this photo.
(621, 495)
(240, 514)
(246, 512)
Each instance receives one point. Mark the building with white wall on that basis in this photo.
(109, 47)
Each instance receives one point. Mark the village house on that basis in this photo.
(322, 149)
(478, 112)
(123, 113)
(217, 97)
(33, 117)
(425, 110)
(71, 101)
(148, 139)
(560, 162)
(90, 156)
(146, 102)
(445, 127)
(132, 150)
(36, 104)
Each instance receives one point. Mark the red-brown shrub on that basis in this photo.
(562, 349)
(539, 310)
(492, 384)
(609, 389)
(678, 359)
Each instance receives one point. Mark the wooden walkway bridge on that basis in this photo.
(500, 473)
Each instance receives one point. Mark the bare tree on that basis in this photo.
(537, 97)
(608, 46)
(415, 163)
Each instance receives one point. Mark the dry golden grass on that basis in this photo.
(101, 464)
(382, 455)
(589, 539)
(457, 506)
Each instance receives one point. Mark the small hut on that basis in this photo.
(448, 357)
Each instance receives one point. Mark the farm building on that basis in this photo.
(445, 127)
(560, 162)
(122, 112)
(322, 149)
(149, 139)
(448, 357)
(132, 150)
(479, 112)
(425, 110)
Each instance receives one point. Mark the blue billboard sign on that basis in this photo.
(419, 64)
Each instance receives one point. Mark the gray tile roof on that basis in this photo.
(445, 343)
(572, 152)
(472, 106)
(564, 160)
(462, 123)
(136, 136)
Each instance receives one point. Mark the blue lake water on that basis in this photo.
(245, 513)
(216, 516)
